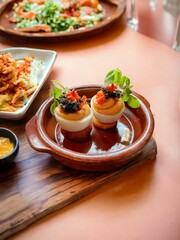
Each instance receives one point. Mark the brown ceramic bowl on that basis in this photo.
(105, 149)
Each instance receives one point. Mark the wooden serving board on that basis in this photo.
(37, 185)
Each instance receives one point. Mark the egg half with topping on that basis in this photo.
(107, 107)
(73, 114)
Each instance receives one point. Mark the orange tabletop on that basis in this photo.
(143, 203)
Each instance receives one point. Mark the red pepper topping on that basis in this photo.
(84, 101)
(100, 97)
(111, 87)
(72, 95)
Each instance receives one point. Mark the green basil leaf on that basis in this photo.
(133, 102)
(109, 78)
(127, 91)
(124, 82)
(117, 77)
(113, 76)
(125, 97)
(53, 106)
(57, 93)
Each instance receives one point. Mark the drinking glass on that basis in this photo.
(152, 4)
(132, 14)
(173, 7)
(176, 44)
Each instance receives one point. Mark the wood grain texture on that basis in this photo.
(37, 185)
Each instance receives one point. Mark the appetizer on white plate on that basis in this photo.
(23, 72)
(18, 80)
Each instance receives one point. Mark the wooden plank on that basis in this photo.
(37, 185)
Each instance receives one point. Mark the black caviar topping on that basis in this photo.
(69, 106)
(108, 94)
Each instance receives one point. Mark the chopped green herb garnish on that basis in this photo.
(57, 92)
(115, 76)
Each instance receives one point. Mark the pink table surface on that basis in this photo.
(158, 20)
(144, 202)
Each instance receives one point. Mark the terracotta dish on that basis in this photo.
(106, 149)
(113, 11)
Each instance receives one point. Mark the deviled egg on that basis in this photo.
(108, 104)
(72, 113)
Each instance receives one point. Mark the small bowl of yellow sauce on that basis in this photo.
(9, 146)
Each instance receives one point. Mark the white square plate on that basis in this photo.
(47, 57)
